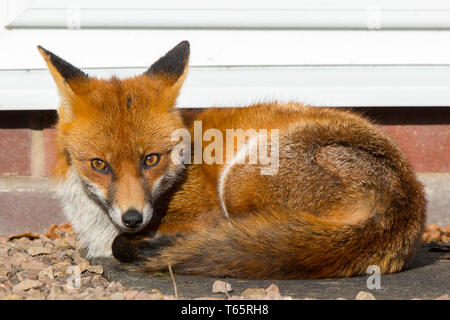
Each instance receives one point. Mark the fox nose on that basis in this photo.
(132, 218)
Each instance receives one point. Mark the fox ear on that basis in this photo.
(173, 65)
(64, 74)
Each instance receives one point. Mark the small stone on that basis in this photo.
(83, 266)
(35, 251)
(6, 286)
(37, 243)
(6, 262)
(95, 269)
(27, 284)
(4, 250)
(443, 297)
(98, 280)
(49, 259)
(446, 229)
(99, 292)
(55, 293)
(61, 266)
(117, 296)
(254, 294)
(155, 294)
(130, 294)
(3, 272)
(363, 295)
(235, 297)
(18, 258)
(76, 257)
(49, 245)
(59, 255)
(221, 287)
(27, 235)
(114, 287)
(85, 280)
(273, 288)
(22, 243)
(48, 272)
(69, 252)
(3, 293)
(35, 294)
(45, 239)
(34, 265)
(62, 243)
(120, 287)
(12, 297)
(71, 241)
(273, 292)
(27, 274)
(60, 269)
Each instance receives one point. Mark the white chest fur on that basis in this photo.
(91, 223)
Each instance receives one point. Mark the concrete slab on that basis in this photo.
(437, 189)
(427, 278)
(27, 204)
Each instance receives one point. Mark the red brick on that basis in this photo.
(427, 147)
(49, 150)
(15, 146)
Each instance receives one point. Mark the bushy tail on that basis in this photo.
(279, 245)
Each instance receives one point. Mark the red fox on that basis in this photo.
(340, 198)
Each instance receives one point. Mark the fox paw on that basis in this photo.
(131, 250)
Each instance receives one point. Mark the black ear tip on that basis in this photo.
(43, 50)
(183, 47)
(185, 44)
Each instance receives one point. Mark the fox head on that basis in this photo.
(115, 134)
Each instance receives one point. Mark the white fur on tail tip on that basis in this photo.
(91, 223)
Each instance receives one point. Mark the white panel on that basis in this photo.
(242, 4)
(206, 87)
(139, 48)
(266, 14)
(242, 51)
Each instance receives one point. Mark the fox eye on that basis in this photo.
(151, 160)
(99, 165)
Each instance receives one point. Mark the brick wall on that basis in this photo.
(26, 138)
(26, 143)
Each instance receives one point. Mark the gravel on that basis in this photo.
(51, 266)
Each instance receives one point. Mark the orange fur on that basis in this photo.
(344, 196)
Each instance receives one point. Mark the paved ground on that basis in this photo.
(427, 278)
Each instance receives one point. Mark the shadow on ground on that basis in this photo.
(428, 277)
